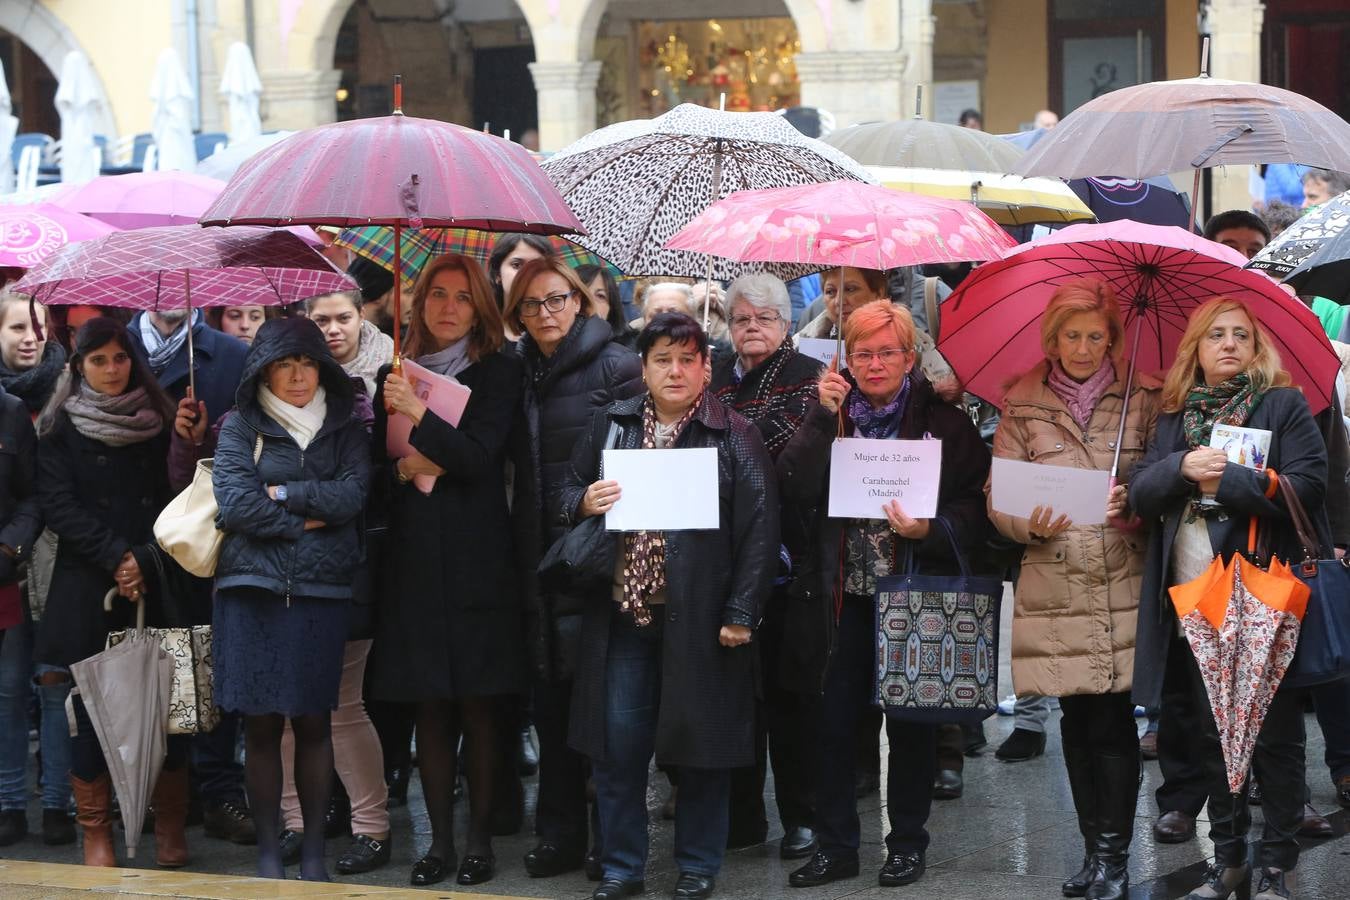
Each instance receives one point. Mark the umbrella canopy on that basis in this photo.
(171, 121)
(1327, 272)
(1152, 201)
(126, 690)
(1242, 624)
(991, 323)
(143, 199)
(1298, 243)
(241, 87)
(29, 234)
(395, 170)
(1007, 199)
(226, 161)
(1170, 126)
(156, 268)
(919, 143)
(80, 103)
(9, 126)
(421, 245)
(634, 184)
(842, 223)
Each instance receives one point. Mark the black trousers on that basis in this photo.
(1184, 788)
(783, 737)
(560, 811)
(912, 764)
(1102, 723)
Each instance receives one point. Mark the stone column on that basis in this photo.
(1234, 27)
(917, 28)
(566, 97)
(856, 85)
(293, 100)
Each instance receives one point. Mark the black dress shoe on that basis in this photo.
(290, 846)
(613, 888)
(1174, 827)
(430, 870)
(1021, 746)
(366, 854)
(476, 869)
(694, 887)
(902, 867)
(948, 785)
(548, 859)
(822, 870)
(594, 870)
(13, 826)
(798, 842)
(57, 827)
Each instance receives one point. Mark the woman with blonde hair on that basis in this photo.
(1228, 372)
(450, 637)
(880, 397)
(1078, 592)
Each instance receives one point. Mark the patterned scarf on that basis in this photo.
(878, 423)
(1081, 397)
(644, 552)
(116, 420)
(374, 349)
(1228, 403)
(161, 349)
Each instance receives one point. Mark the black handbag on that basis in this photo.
(1323, 653)
(937, 641)
(583, 559)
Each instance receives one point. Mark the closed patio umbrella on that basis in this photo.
(241, 87)
(172, 119)
(79, 102)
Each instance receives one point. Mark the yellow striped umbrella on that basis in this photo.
(1007, 199)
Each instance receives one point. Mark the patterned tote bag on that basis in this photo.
(937, 641)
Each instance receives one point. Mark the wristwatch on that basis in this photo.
(281, 493)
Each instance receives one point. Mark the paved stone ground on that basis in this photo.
(1012, 835)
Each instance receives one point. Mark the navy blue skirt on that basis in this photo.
(268, 657)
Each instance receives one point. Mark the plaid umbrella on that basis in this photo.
(1299, 242)
(421, 245)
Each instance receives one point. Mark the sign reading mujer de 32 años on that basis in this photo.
(867, 474)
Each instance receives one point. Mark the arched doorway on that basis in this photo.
(39, 41)
(32, 86)
(376, 39)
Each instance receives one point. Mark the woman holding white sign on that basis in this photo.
(664, 665)
(1078, 590)
(879, 398)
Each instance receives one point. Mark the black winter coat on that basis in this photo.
(562, 393)
(812, 617)
(713, 578)
(266, 545)
(1159, 492)
(20, 509)
(100, 501)
(451, 616)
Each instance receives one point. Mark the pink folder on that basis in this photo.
(442, 395)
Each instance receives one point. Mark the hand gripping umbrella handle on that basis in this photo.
(140, 607)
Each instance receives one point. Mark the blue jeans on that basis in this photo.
(16, 686)
(632, 702)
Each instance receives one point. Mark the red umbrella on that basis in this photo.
(398, 171)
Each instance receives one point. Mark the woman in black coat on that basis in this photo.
(450, 637)
(102, 480)
(663, 665)
(572, 369)
(1228, 372)
(848, 556)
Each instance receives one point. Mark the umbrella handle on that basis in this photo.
(140, 607)
(1133, 523)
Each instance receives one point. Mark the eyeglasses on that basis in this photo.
(553, 303)
(764, 320)
(861, 359)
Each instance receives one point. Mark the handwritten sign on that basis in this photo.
(866, 474)
(663, 490)
(1019, 487)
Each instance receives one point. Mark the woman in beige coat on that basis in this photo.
(1074, 614)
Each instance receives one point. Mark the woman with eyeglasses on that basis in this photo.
(771, 384)
(879, 397)
(573, 368)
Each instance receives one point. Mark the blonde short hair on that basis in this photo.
(876, 316)
(1088, 295)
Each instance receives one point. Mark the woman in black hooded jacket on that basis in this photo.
(291, 472)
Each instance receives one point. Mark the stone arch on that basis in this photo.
(49, 38)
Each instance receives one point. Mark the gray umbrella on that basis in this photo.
(921, 144)
(1298, 243)
(635, 184)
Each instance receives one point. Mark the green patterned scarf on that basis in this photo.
(1230, 403)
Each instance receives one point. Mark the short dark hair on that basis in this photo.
(968, 114)
(502, 249)
(587, 272)
(675, 327)
(1235, 218)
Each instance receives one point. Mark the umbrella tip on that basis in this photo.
(398, 95)
(1204, 57)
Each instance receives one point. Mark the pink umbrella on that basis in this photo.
(29, 234)
(143, 199)
(181, 266)
(991, 325)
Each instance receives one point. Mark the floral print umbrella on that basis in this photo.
(1242, 624)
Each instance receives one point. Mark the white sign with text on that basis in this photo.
(866, 474)
(1019, 487)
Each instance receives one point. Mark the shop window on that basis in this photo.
(752, 61)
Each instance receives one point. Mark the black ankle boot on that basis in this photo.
(1117, 782)
(1083, 786)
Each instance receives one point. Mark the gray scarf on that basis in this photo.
(450, 361)
(374, 349)
(117, 421)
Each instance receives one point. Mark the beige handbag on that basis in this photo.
(186, 529)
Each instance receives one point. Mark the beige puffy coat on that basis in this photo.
(1077, 595)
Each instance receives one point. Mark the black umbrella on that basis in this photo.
(1327, 272)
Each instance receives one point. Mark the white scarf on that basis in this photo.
(300, 422)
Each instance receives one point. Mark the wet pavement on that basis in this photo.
(1011, 835)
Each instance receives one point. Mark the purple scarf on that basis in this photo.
(878, 423)
(1081, 397)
